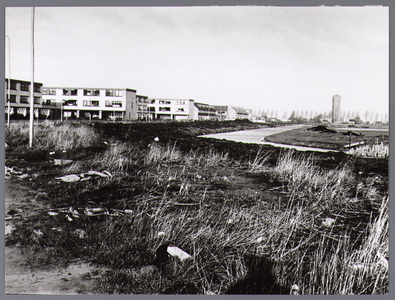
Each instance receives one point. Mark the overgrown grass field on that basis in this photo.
(258, 222)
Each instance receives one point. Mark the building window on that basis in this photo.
(47, 102)
(66, 92)
(37, 88)
(70, 102)
(118, 93)
(37, 100)
(13, 85)
(51, 92)
(91, 103)
(110, 93)
(152, 101)
(74, 92)
(180, 102)
(95, 92)
(24, 99)
(25, 87)
(12, 98)
(118, 104)
(164, 108)
(108, 103)
(180, 109)
(87, 93)
(44, 91)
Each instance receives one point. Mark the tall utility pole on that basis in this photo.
(9, 80)
(32, 86)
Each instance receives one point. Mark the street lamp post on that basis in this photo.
(9, 80)
(32, 86)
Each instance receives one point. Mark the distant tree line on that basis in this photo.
(308, 116)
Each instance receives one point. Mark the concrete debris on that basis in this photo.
(177, 252)
(23, 176)
(328, 222)
(68, 218)
(9, 229)
(84, 176)
(53, 213)
(62, 162)
(101, 174)
(95, 211)
(69, 178)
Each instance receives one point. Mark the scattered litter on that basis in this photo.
(128, 211)
(62, 162)
(68, 218)
(328, 222)
(38, 232)
(52, 153)
(53, 213)
(226, 179)
(23, 176)
(69, 178)
(106, 143)
(177, 252)
(295, 290)
(382, 260)
(156, 139)
(258, 240)
(230, 221)
(56, 229)
(81, 233)
(161, 233)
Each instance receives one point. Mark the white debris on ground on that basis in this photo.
(62, 162)
(84, 176)
(177, 252)
(328, 222)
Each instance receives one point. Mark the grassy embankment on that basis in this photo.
(253, 223)
(329, 137)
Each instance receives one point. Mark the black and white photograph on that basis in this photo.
(196, 150)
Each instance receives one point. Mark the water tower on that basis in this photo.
(336, 108)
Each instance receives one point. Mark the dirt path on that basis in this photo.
(19, 279)
(257, 136)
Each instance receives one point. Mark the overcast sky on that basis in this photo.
(276, 58)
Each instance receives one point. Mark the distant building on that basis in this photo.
(227, 112)
(92, 103)
(171, 109)
(336, 99)
(203, 111)
(19, 98)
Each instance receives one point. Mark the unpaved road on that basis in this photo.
(19, 279)
(257, 136)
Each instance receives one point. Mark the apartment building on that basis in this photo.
(203, 111)
(18, 94)
(142, 107)
(227, 112)
(93, 103)
(171, 109)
